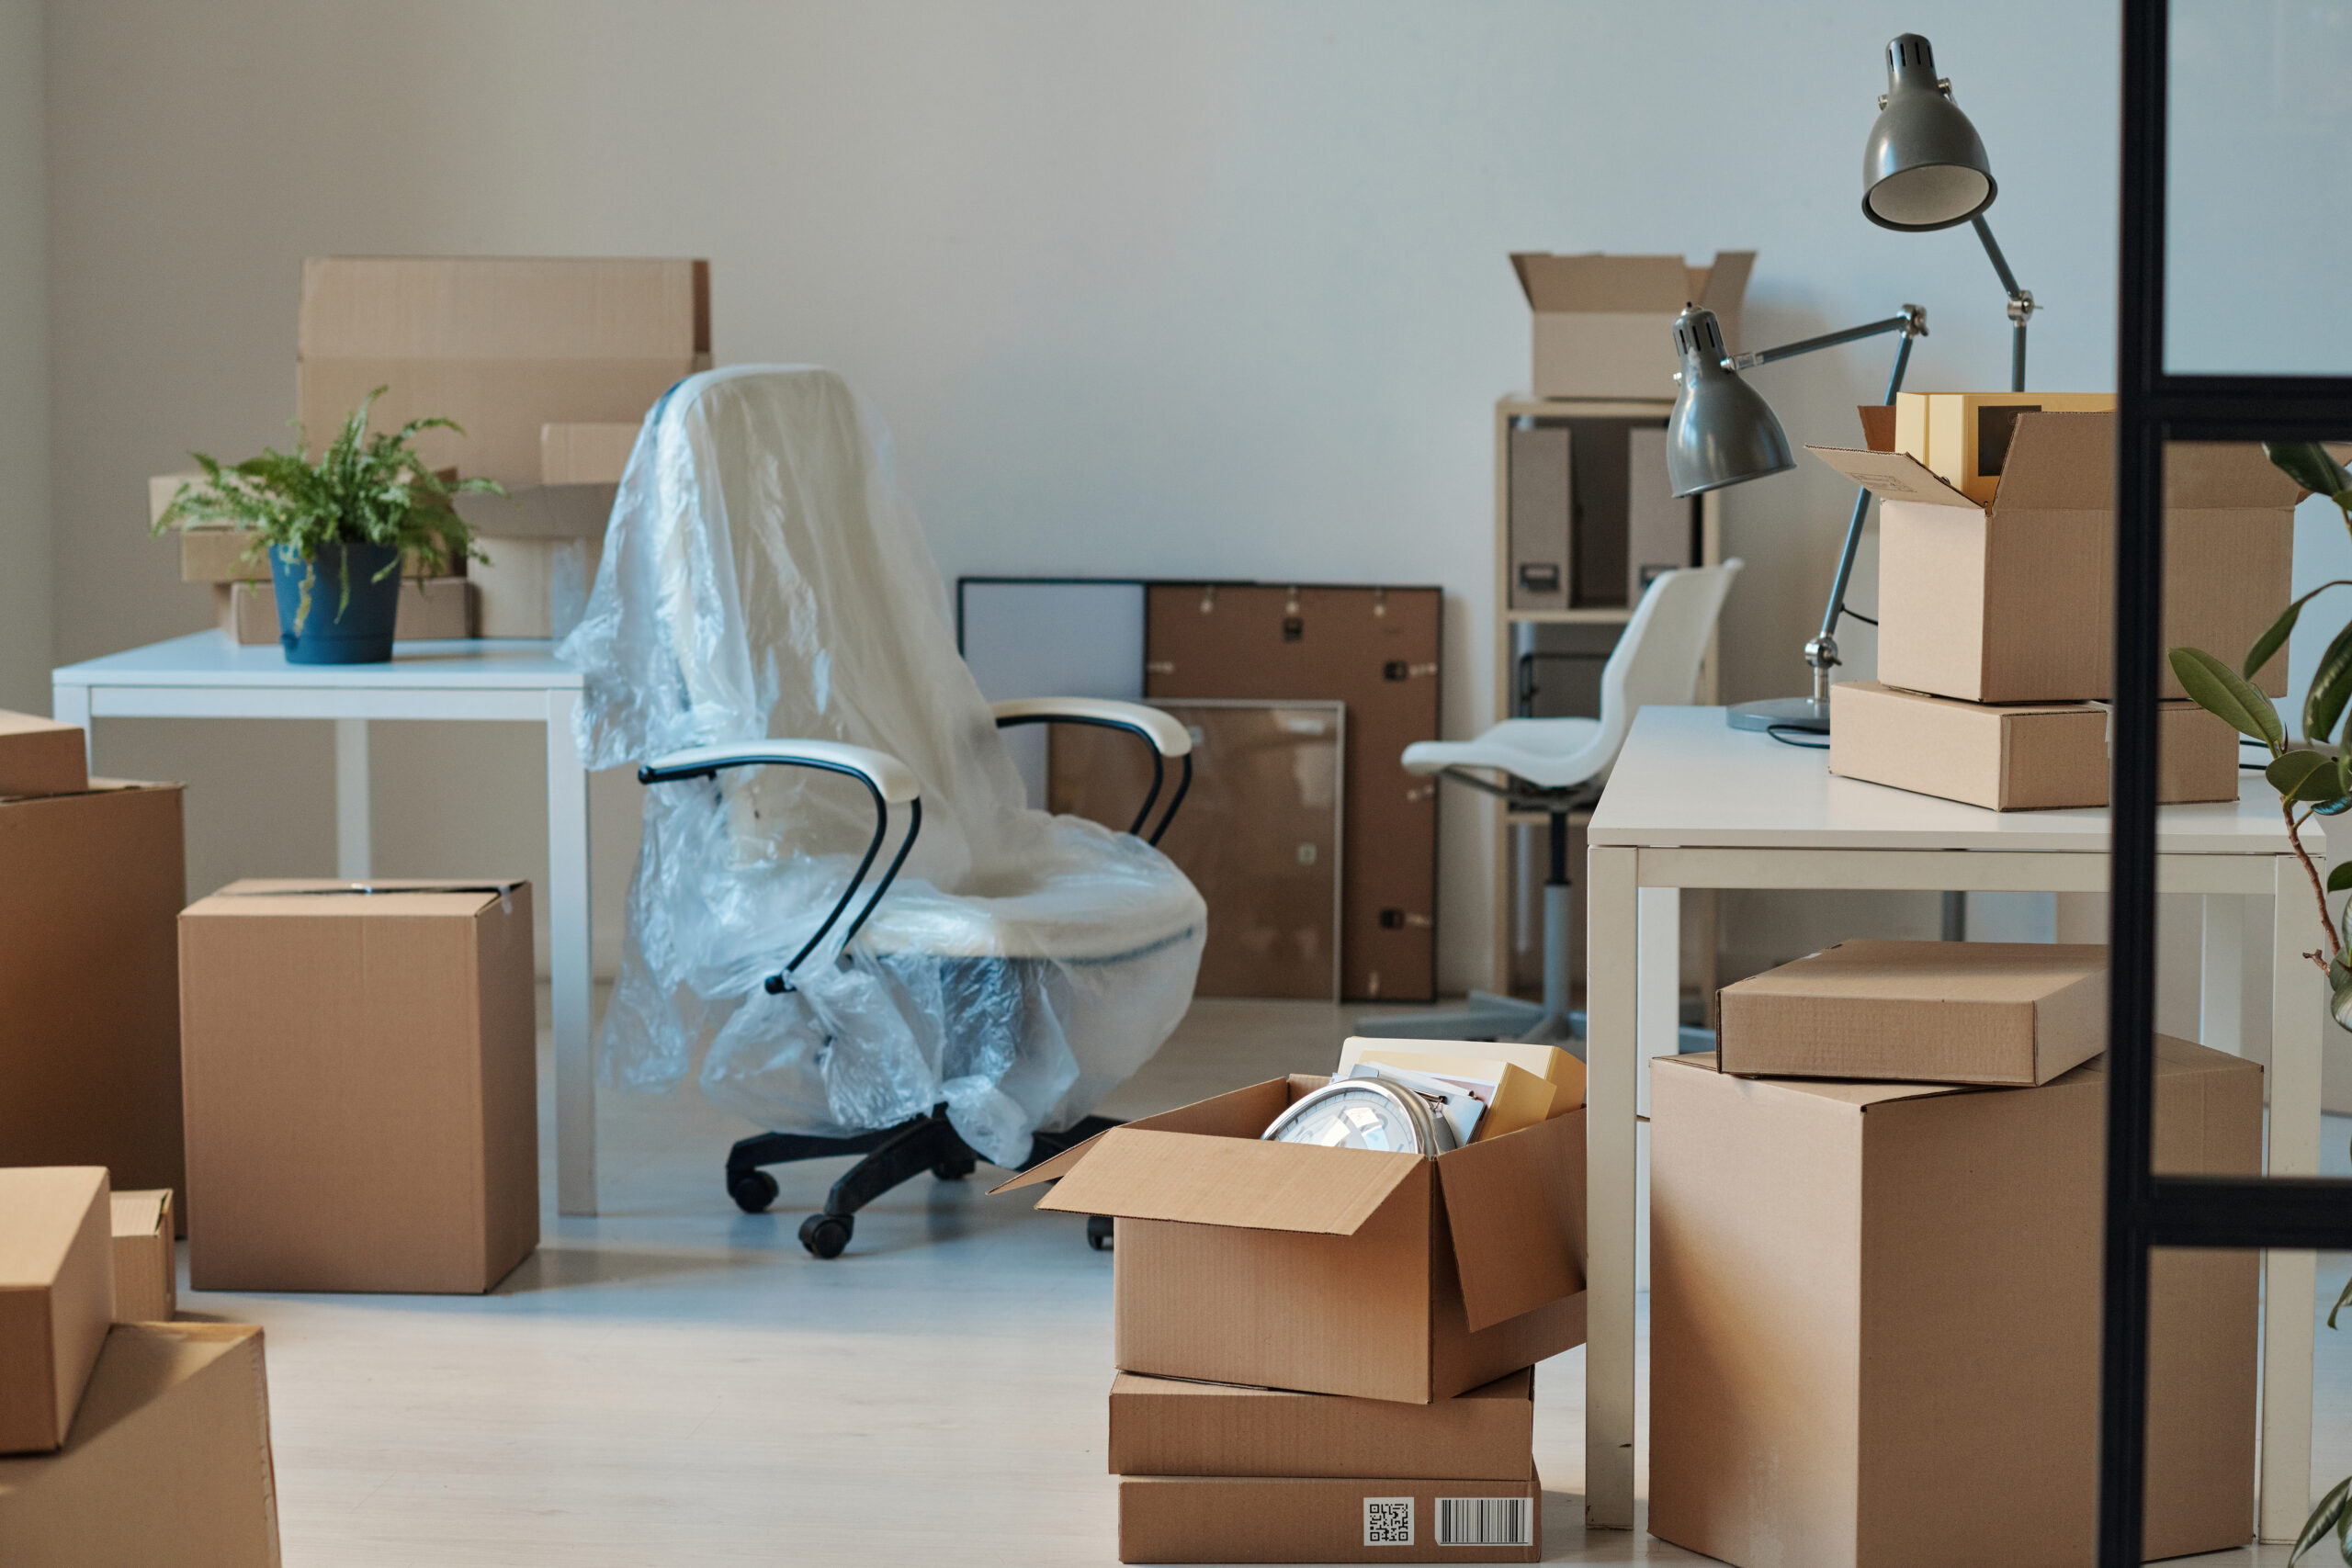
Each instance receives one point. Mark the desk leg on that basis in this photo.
(2290, 1278)
(71, 704)
(569, 963)
(1612, 1082)
(2220, 1017)
(354, 815)
(1659, 1026)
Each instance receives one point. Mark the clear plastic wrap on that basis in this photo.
(762, 576)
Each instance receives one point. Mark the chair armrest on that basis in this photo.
(1167, 738)
(889, 778)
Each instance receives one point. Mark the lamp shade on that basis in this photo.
(1721, 432)
(1924, 166)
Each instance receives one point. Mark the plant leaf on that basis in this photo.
(2331, 688)
(2340, 878)
(2339, 1003)
(2346, 1296)
(2306, 777)
(2222, 692)
(2323, 1518)
(2309, 465)
(2281, 629)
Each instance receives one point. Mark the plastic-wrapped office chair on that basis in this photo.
(1556, 765)
(769, 637)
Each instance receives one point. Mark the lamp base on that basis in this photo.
(1779, 713)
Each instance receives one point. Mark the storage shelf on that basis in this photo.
(1612, 614)
(1520, 405)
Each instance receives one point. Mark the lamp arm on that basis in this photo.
(1822, 652)
(2021, 305)
(1911, 323)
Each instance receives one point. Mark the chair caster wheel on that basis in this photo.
(1098, 1232)
(955, 1170)
(753, 1191)
(825, 1235)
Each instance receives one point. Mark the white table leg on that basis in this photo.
(2289, 1278)
(1612, 1079)
(354, 815)
(569, 963)
(2220, 1011)
(71, 704)
(1657, 1025)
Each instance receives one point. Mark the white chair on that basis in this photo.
(1558, 765)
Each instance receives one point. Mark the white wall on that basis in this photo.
(1216, 287)
(24, 364)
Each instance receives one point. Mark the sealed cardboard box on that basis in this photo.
(1329, 1271)
(1957, 1012)
(1209, 1518)
(1604, 324)
(168, 1463)
(361, 1101)
(41, 756)
(2017, 756)
(431, 609)
(586, 454)
(89, 981)
(1874, 1318)
(2013, 602)
(1165, 1426)
(146, 1272)
(545, 543)
(1963, 437)
(56, 1297)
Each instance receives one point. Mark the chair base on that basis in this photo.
(893, 1155)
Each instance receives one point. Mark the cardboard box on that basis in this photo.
(545, 544)
(41, 756)
(586, 454)
(56, 1298)
(361, 1086)
(146, 1271)
(1874, 1318)
(168, 1464)
(1558, 1067)
(1164, 1427)
(503, 345)
(1604, 324)
(1206, 1518)
(432, 609)
(2014, 601)
(2017, 757)
(89, 981)
(1963, 437)
(1955, 1012)
(1383, 1276)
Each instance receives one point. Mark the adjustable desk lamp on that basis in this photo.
(1923, 167)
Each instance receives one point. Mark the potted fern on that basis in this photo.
(336, 531)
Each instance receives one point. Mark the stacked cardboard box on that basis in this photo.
(1875, 1218)
(1324, 1352)
(1996, 593)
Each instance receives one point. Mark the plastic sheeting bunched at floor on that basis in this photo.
(762, 576)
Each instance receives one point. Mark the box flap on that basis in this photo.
(2062, 462)
(328, 897)
(1892, 475)
(1515, 1207)
(2217, 474)
(1878, 426)
(1598, 282)
(1137, 1174)
(142, 1213)
(1241, 1113)
(1721, 287)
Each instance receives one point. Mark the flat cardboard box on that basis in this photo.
(1167, 1426)
(1383, 1276)
(2014, 601)
(1955, 1012)
(1874, 1319)
(41, 756)
(1604, 324)
(2020, 756)
(56, 1298)
(361, 1086)
(146, 1271)
(586, 454)
(169, 1461)
(89, 982)
(1963, 437)
(432, 609)
(1209, 1518)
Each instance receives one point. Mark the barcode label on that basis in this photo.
(1388, 1521)
(1485, 1521)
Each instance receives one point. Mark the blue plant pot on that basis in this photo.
(336, 632)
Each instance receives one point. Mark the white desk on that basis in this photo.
(1693, 803)
(207, 676)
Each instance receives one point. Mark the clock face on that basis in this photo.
(1355, 1116)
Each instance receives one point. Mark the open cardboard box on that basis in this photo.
(1386, 1276)
(1604, 324)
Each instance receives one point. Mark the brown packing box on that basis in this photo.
(56, 1298)
(1211, 1518)
(361, 1099)
(2019, 757)
(586, 454)
(545, 543)
(41, 756)
(1875, 1317)
(1168, 1427)
(431, 609)
(1953, 1012)
(168, 1464)
(2014, 601)
(1383, 1276)
(1963, 437)
(1604, 324)
(146, 1272)
(89, 981)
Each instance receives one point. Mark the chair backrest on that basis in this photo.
(1657, 659)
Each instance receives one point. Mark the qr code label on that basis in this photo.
(1388, 1521)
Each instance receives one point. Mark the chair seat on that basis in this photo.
(1550, 753)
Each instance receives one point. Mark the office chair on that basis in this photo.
(769, 640)
(1560, 766)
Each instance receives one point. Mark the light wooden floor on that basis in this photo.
(674, 1382)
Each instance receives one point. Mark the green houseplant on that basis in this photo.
(353, 515)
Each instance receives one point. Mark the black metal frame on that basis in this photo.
(2152, 407)
(1158, 764)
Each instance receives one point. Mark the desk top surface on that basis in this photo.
(210, 658)
(1688, 780)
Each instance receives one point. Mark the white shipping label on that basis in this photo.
(1485, 1521)
(1388, 1521)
